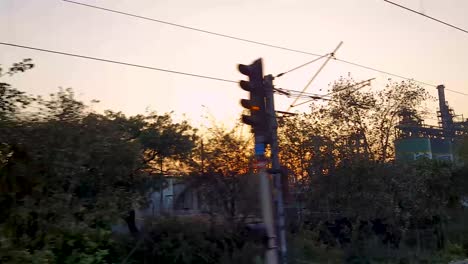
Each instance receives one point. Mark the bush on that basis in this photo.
(305, 246)
(175, 240)
(73, 244)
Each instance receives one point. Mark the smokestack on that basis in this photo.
(444, 111)
(442, 104)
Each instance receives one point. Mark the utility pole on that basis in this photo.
(275, 167)
(271, 254)
(259, 123)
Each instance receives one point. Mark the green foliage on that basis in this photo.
(173, 240)
(340, 156)
(11, 99)
(67, 173)
(399, 192)
(22, 66)
(416, 205)
(305, 246)
(354, 125)
(225, 182)
(163, 139)
(64, 244)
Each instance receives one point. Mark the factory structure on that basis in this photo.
(416, 140)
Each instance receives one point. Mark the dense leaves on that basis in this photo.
(66, 172)
(348, 190)
(225, 177)
(195, 240)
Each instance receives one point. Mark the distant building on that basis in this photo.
(178, 198)
(416, 140)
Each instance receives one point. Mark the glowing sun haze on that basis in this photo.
(374, 33)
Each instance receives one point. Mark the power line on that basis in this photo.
(324, 97)
(424, 15)
(453, 91)
(384, 72)
(296, 93)
(293, 93)
(193, 28)
(313, 99)
(363, 83)
(253, 42)
(242, 39)
(149, 67)
(302, 65)
(116, 62)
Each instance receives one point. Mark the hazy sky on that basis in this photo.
(374, 33)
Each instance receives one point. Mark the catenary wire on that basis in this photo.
(121, 63)
(323, 97)
(143, 66)
(453, 91)
(193, 28)
(116, 62)
(196, 75)
(365, 83)
(313, 99)
(384, 72)
(332, 55)
(245, 40)
(289, 92)
(159, 69)
(302, 65)
(424, 15)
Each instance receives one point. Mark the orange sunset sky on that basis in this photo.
(374, 33)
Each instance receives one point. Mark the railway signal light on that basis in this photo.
(256, 103)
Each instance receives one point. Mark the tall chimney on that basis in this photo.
(444, 111)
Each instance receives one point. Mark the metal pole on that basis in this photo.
(275, 166)
(271, 254)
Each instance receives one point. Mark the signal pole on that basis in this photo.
(258, 121)
(275, 167)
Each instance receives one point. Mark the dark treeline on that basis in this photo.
(68, 173)
(354, 201)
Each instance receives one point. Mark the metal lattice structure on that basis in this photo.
(416, 140)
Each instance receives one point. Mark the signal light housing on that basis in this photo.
(256, 102)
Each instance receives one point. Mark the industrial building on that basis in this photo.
(416, 140)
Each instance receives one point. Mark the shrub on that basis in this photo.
(175, 240)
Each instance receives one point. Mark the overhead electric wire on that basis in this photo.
(323, 97)
(365, 83)
(250, 41)
(116, 62)
(385, 72)
(332, 55)
(302, 65)
(296, 93)
(313, 99)
(326, 99)
(193, 28)
(424, 15)
(293, 93)
(453, 91)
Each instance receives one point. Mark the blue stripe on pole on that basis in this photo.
(259, 149)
